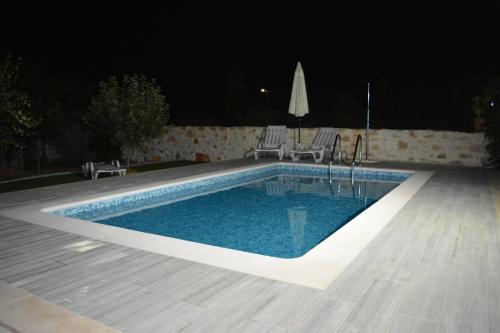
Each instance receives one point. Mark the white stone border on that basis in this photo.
(316, 269)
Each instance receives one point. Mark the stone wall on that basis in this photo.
(223, 143)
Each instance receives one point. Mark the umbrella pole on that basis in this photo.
(299, 130)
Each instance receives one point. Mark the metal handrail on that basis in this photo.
(358, 142)
(339, 139)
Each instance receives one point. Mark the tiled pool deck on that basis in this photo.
(434, 268)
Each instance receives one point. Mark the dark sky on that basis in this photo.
(190, 48)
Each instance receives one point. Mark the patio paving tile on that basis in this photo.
(322, 315)
(434, 267)
(465, 314)
(426, 293)
(407, 324)
(375, 310)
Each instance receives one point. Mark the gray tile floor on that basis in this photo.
(434, 268)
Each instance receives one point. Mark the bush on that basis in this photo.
(16, 122)
(129, 111)
(487, 106)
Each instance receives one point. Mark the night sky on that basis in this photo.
(189, 49)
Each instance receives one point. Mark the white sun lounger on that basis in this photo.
(94, 169)
(322, 141)
(274, 141)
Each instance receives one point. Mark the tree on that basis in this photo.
(59, 102)
(485, 105)
(16, 122)
(131, 111)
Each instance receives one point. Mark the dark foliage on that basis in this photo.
(492, 133)
(59, 102)
(130, 110)
(486, 105)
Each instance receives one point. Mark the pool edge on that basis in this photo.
(316, 269)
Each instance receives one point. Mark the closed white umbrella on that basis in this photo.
(298, 101)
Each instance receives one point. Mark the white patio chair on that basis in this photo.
(322, 141)
(94, 169)
(274, 141)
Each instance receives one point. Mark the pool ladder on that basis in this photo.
(359, 143)
(338, 139)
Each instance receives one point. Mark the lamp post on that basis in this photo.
(367, 120)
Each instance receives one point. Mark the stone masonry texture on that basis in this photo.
(215, 143)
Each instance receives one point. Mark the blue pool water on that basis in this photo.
(279, 211)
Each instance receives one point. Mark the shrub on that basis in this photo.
(130, 111)
(487, 106)
(16, 122)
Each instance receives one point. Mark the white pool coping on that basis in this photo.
(317, 268)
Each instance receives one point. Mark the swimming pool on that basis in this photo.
(279, 211)
(317, 268)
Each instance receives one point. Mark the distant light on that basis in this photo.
(264, 90)
(492, 103)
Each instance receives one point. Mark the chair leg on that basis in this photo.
(321, 154)
(320, 157)
(92, 170)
